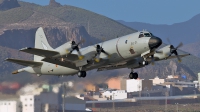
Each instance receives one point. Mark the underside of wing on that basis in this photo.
(112, 67)
(25, 62)
(171, 57)
(64, 63)
(40, 52)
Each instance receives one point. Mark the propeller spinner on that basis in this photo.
(75, 46)
(99, 50)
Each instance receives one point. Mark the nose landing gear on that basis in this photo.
(133, 75)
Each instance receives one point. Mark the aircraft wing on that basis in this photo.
(49, 53)
(112, 67)
(25, 62)
(171, 57)
(64, 63)
(40, 52)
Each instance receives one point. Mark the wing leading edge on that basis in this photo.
(25, 62)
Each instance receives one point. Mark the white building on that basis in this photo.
(10, 106)
(157, 80)
(133, 85)
(38, 103)
(113, 95)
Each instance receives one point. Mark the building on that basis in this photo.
(91, 87)
(74, 104)
(114, 83)
(133, 85)
(37, 103)
(157, 80)
(10, 106)
(114, 95)
(199, 77)
(49, 108)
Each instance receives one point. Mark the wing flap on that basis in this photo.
(25, 62)
(64, 63)
(40, 52)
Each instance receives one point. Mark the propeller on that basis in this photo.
(152, 60)
(173, 50)
(75, 46)
(99, 50)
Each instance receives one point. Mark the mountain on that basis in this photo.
(8, 4)
(192, 48)
(61, 24)
(54, 3)
(186, 32)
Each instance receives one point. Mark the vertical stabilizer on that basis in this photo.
(41, 43)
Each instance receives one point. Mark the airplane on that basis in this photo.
(131, 51)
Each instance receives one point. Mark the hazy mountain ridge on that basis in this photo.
(186, 32)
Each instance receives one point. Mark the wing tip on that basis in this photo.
(25, 48)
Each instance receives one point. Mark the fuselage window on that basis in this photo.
(141, 35)
(126, 41)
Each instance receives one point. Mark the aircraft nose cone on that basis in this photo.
(154, 42)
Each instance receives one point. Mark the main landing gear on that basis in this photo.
(133, 75)
(82, 74)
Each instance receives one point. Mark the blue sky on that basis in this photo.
(148, 11)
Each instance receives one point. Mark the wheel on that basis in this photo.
(82, 74)
(135, 75)
(131, 75)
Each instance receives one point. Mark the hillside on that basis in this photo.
(64, 23)
(18, 27)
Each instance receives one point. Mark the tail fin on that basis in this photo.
(41, 43)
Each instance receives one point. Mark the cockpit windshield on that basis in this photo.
(145, 34)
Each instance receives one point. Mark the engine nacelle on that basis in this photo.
(137, 63)
(165, 52)
(64, 49)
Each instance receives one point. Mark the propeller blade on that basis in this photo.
(104, 52)
(168, 40)
(152, 60)
(82, 41)
(179, 59)
(176, 53)
(180, 45)
(75, 46)
(97, 58)
(80, 55)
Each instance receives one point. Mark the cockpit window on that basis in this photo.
(141, 35)
(147, 35)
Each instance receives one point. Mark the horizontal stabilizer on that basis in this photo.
(25, 62)
(40, 52)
